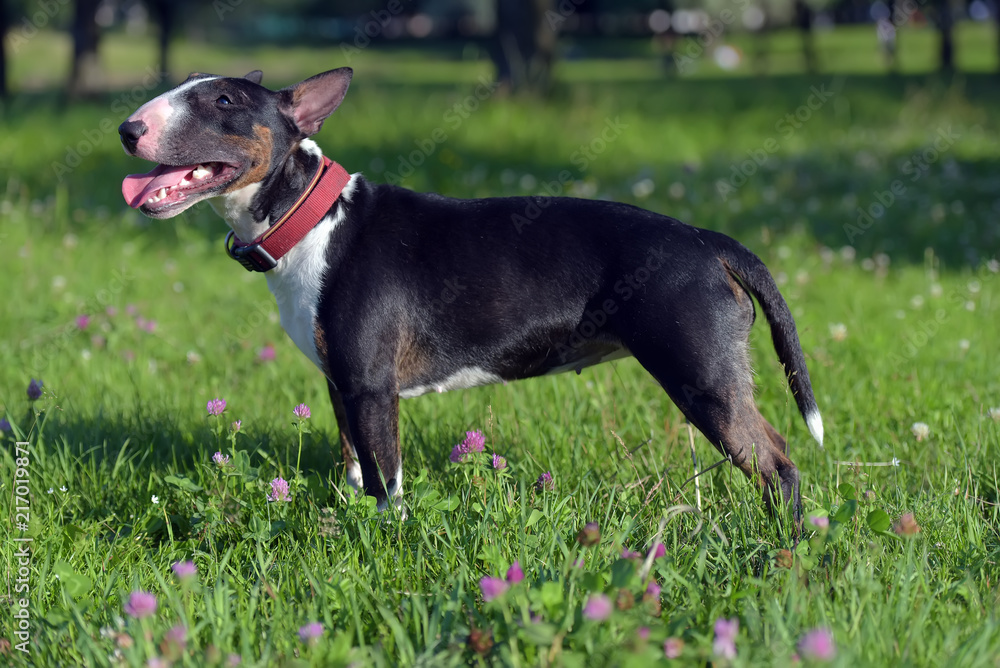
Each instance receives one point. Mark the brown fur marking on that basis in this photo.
(411, 361)
(319, 340)
(340, 413)
(738, 290)
(776, 438)
(258, 156)
(757, 449)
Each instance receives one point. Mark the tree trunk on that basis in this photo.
(524, 48)
(761, 50)
(996, 16)
(86, 37)
(165, 13)
(891, 47)
(804, 18)
(3, 50)
(944, 26)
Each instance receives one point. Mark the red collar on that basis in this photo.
(262, 254)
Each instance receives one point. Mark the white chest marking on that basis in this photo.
(297, 281)
(472, 376)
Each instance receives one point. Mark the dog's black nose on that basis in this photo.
(130, 131)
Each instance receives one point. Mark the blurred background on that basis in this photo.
(523, 39)
(790, 116)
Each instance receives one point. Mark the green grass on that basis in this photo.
(123, 416)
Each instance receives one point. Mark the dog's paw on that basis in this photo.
(354, 478)
(397, 506)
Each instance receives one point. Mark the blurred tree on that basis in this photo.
(165, 14)
(3, 49)
(760, 52)
(945, 24)
(889, 37)
(86, 37)
(525, 43)
(804, 20)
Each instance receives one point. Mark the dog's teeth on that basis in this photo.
(157, 196)
(184, 182)
(201, 172)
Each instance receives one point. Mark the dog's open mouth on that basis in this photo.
(167, 186)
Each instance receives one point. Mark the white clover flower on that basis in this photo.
(155, 499)
(838, 331)
(643, 189)
(920, 430)
(995, 413)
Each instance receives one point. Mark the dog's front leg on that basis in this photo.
(346, 442)
(373, 423)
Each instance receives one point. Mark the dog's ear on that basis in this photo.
(256, 76)
(310, 102)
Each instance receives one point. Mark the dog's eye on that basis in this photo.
(223, 100)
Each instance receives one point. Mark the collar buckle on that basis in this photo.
(262, 254)
(253, 257)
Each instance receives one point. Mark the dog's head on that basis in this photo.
(213, 135)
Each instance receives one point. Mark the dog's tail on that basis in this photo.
(748, 269)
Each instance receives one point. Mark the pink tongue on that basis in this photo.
(137, 188)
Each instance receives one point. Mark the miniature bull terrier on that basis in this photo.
(393, 293)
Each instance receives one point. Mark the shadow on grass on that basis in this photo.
(829, 191)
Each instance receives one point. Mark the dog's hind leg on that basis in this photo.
(725, 412)
(776, 438)
(699, 354)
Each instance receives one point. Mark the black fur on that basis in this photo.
(420, 289)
